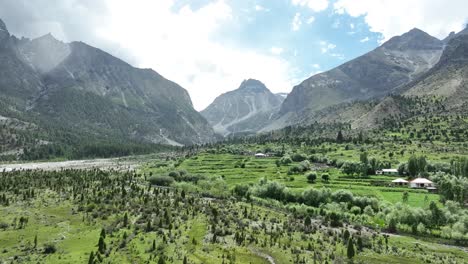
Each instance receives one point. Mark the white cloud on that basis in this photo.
(310, 20)
(395, 17)
(316, 66)
(366, 39)
(351, 26)
(297, 22)
(261, 8)
(315, 5)
(276, 50)
(326, 47)
(180, 46)
(338, 55)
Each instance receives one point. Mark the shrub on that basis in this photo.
(325, 177)
(50, 248)
(298, 157)
(311, 177)
(161, 180)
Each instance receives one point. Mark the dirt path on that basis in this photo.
(264, 255)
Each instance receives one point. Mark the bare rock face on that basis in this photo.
(449, 77)
(89, 91)
(376, 74)
(244, 110)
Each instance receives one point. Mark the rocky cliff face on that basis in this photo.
(449, 77)
(244, 110)
(378, 73)
(82, 87)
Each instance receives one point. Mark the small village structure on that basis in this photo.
(260, 155)
(400, 182)
(392, 172)
(421, 183)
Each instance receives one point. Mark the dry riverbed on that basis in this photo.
(115, 163)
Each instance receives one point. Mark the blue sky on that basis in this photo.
(210, 46)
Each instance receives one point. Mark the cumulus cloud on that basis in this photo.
(310, 20)
(315, 5)
(297, 22)
(366, 39)
(395, 17)
(276, 50)
(326, 47)
(179, 42)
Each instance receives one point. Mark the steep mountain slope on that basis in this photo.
(373, 75)
(84, 89)
(246, 109)
(448, 78)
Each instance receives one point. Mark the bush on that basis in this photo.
(273, 190)
(50, 248)
(342, 196)
(241, 190)
(161, 180)
(285, 160)
(311, 177)
(325, 177)
(298, 157)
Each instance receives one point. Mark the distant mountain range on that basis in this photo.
(244, 110)
(71, 93)
(358, 92)
(80, 89)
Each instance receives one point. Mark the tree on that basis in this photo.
(339, 137)
(91, 258)
(307, 221)
(161, 260)
(325, 177)
(350, 252)
(412, 166)
(35, 241)
(185, 260)
(405, 197)
(101, 245)
(125, 220)
(311, 177)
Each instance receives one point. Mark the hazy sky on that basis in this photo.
(210, 46)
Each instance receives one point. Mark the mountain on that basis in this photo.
(449, 77)
(376, 74)
(244, 110)
(84, 90)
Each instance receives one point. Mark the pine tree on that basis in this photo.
(125, 220)
(339, 137)
(350, 251)
(35, 241)
(101, 245)
(91, 258)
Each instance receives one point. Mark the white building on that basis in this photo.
(260, 155)
(421, 183)
(387, 172)
(400, 182)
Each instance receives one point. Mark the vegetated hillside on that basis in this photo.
(373, 75)
(87, 93)
(244, 110)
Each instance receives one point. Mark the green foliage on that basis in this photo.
(161, 180)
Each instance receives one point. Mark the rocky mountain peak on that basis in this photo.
(3, 26)
(253, 86)
(3, 31)
(414, 39)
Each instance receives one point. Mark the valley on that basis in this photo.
(105, 162)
